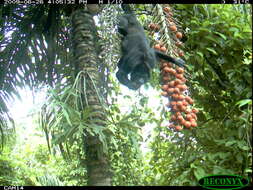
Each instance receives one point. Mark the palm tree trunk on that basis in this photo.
(86, 53)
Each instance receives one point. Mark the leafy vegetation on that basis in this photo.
(218, 51)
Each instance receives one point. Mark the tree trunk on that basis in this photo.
(86, 50)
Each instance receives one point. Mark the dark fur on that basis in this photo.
(137, 57)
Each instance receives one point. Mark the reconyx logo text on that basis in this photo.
(223, 182)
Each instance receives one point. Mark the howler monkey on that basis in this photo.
(138, 58)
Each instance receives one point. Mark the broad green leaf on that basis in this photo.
(204, 29)
(244, 102)
(192, 165)
(229, 143)
(199, 173)
(233, 29)
(245, 147)
(212, 50)
(200, 54)
(221, 35)
(248, 170)
(212, 39)
(220, 142)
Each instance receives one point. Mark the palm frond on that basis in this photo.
(49, 180)
(65, 118)
(33, 50)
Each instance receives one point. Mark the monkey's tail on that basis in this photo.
(179, 62)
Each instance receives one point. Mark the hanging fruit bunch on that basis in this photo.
(174, 82)
(154, 27)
